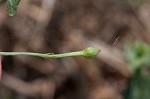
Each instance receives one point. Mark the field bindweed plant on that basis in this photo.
(89, 52)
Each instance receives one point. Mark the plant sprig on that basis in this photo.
(12, 6)
(89, 52)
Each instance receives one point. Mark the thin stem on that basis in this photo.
(70, 54)
(89, 53)
(23, 54)
(79, 53)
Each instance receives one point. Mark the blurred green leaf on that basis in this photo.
(128, 4)
(138, 56)
(12, 6)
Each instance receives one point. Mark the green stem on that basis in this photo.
(88, 53)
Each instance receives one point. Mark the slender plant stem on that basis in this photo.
(79, 53)
(88, 52)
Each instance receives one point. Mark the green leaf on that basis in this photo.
(138, 57)
(12, 6)
(139, 85)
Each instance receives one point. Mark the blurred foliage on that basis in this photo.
(138, 55)
(128, 4)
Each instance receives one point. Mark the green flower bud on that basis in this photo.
(90, 52)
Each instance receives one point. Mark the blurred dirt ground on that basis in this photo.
(57, 26)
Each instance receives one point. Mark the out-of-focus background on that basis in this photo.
(57, 26)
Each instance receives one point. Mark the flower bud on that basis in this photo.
(90, 52)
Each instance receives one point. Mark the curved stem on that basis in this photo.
(88, 52)
(79, 53)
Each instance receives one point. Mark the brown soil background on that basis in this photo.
(57, 26)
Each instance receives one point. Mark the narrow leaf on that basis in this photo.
(12, 6)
